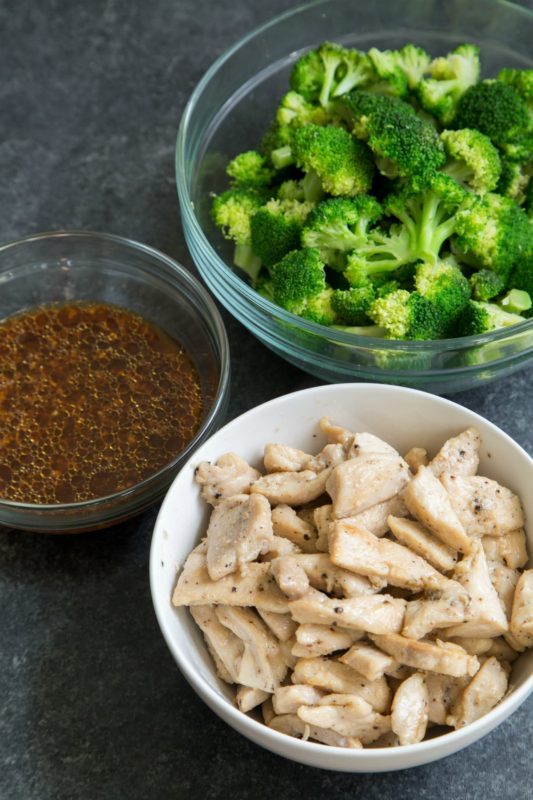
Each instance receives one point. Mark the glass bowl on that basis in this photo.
(229, 111)
(83, 266)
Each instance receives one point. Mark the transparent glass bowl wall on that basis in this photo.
(232, 107)
(66, 266)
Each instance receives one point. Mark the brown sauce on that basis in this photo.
(93, 399)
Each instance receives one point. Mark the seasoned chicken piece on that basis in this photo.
(279, 546)
(510, 549)
(239, 530)
(355, 548)
(327, 577)
(522, 614)
(389, 739)
(282, 625)
(292, 725)
(292, 488)
(440, 610)
(483, 692)
(231, 475)
(514, 642)
(483, 506)
(367, 444)
(306, 514)
(368, 660)
(442, 657)
(257, 588)
(288, 525)
(247, 698)
(414, 536)
(323, 517)
(378, 613)
(443, 692)
(321, 640)
(410, 710)
(265, 666)
(225, 648)
(282, 458)
(361, 482)
(267, 710)
(334, 677)
(348, 720)
(502, 650)
(459, 455)
(416, 457)
(428, 501)
(375, 519)
(335, 433)
(484, 616)
(504, 580)
(290, 577)
(288, 699)
(476, 646)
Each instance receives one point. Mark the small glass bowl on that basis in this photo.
(78, 265)
(232, 107)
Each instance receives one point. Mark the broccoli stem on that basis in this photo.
(433, 232)
(245, 259)
(459, 171)
(312, 187)
(282, 157)
(516, 301)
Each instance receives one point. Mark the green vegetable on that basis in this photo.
(330, 71)
(472, 159)
(450, 77)
(495, 109)
(486, 284)
(351, 305)
(339, 225)
(276, 228)
(481, 317)
(407, 315)
(250, 169)
(516, 301)
(298, 278)
(444, 285)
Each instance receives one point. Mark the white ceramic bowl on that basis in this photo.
(403, 417)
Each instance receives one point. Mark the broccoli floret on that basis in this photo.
(494, 231)
(291, 190)
(486, 284)
(382, 251)
(297, 278)
(407, 315)
(399, 70)
(528, 200)
(343, 165)
(479, 317)
(516, 301)
(319, 308)
(295, 110)
(351, 305)
(449, 78)
(264, 286)
(340, 224)
(514, 179)
(522, 82)
(519, 149)
(415, 62)
(232, 213)
(522, 274)
(329, 71)
(444, 285)
(250, 169)
(472, 159)
(276, 228)
(404, 144)
(495, 109)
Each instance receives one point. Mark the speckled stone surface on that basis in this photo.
(91, 704)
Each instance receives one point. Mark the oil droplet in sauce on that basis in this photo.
(93, 399)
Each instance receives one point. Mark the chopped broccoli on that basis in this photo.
(522, 82)
(232, 213)
(522, 275)
(494, 231)
(444, 285)
(319, 308)
(297, 278)
(291, 190)
(528, 200)
(276, 228)
(495, 109)
(449, 78)
(340, 224)
(479, 317)
(404, 144)
(472, 159)
(383, 251)
(250, 169)
(514, 179)
(351, 305)
(330, 71)
(399, 70)
(264, 286)
(516, 301)
(407, 315)
(295, 110)
(486, 284)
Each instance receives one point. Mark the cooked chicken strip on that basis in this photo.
(367, 444)
(257, 588)
(502, 650)
(375, 519)
(279, 546)
(346, 721)
(231, 475)
(441, 657)
(269, 668)
(379, 613)
(410, 710)
(292, 725)
(292, 488)
(321, 640)
(485, 616)
(327, 577)
(368, 660)
(389, 739)
(282, 458)
(510, 549)
(334, 677)
(428, 501)
(522, 614)
(416, 457)
(443, 692)
(504, 580)
(247, 698)
(459, 455)
(483, 506)
(476, 646)
(483, 692)
(288, 699)
(323, 517)
(290, 577)
(282, 625)
(225, 648)
(288, 525)
(413, 535)
(335, 433)
(239, 530)
(356, 549)
(361, 482)
(444, 609)
(267, 710)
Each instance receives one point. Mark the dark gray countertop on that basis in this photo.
(91, 703)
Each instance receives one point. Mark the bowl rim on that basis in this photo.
(428, 749)
(211, 316)
(266, 306)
